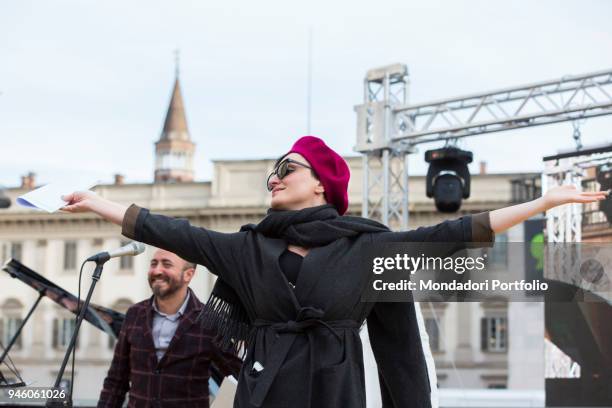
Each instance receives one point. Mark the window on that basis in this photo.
(498, 255)
(70, 255)
(433, 331)
(493, 334)
(526, 189)
(62, 332)
(4, 253)
(126, 262)
(173, 160)
(8, 328)
(10, 322)
(16, 250)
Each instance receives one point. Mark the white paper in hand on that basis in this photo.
(49, 197)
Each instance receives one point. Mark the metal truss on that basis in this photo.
(385, 169)
(564, 223)
(565, 99)
(386, 180)
(388, 128)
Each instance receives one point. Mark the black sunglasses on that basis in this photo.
(283, 169)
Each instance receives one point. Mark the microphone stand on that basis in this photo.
(100, 260)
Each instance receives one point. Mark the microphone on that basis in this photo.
(132, 249)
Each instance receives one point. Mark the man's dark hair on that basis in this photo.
(189, 265)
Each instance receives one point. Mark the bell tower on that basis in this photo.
(174, 150)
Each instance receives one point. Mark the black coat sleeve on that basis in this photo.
(396, 343)
(474, 229)
(217, 251)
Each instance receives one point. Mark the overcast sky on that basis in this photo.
(84, 85)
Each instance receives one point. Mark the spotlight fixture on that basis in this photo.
(448, 178)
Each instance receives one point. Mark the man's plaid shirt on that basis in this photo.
(180, 378)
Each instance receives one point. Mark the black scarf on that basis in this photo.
(310, 227)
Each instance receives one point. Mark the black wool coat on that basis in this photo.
(306, 350)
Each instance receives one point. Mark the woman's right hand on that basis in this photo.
(84, 201)
(80, 201)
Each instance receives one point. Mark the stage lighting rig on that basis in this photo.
(448, 177)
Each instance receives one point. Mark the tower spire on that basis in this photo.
(174, 150)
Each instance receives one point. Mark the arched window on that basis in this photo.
(11, 319)
(63, 326)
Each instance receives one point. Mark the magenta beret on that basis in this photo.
(332, 170)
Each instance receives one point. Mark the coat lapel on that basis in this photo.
(148, 334)
(147, 339)
(313, 269)
(278, 246)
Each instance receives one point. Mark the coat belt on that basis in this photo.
(307, 319)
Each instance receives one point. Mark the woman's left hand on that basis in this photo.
(507, 217)
(570, 194)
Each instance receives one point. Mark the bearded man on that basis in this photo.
(163, 356)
